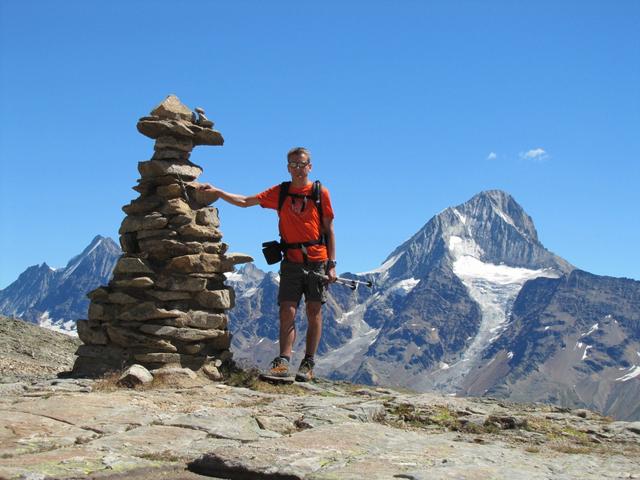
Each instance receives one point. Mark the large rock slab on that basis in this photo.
(89, 335)
(182, 283)
(200, 263)
(175, 206)
(187, 171)
(165, 248)
(156, 128)
(199, 319)
(204, 232)
(127, 338)
(134, 223)
(374, 451)
(318, 431)
(132, 266)
(186, 334)
(229, 423)
(223, 299)
(137, 282)
(142, 205)
(145, 311)
(208, 216)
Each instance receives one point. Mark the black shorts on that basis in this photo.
(297, 279)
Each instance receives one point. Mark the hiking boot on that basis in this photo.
(305, 372)
(279, 368)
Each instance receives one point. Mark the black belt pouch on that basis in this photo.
(272, 252)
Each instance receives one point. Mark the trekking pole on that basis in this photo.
(348, 282)
(184, 188)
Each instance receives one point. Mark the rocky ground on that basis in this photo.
(29, 352)
(181, 428)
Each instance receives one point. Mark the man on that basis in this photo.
(309, 251)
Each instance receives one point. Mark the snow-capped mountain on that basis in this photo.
(55, 298)
(444, 295)
(451, 310)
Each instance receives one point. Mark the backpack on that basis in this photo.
(316, 197)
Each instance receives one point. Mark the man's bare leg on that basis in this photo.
(287, 327)
(314, 327)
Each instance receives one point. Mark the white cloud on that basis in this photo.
(492, 156)
(537, 154)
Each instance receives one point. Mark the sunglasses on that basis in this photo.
(298, 164)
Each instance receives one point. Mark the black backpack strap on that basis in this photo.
(284, 192)
(316, 194)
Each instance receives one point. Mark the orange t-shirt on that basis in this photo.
(298, 225)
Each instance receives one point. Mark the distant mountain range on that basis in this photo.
(56, 298)
(472, 304)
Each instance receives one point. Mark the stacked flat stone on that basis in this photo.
(167, 299)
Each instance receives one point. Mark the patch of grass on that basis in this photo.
(577, 435)
(445, 417)
(571, 449)
(107, 383)
(165, 456)
(541, 425)
(556, 431)
(439, 416)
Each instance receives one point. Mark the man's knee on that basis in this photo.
(288, 311)
(314, 309)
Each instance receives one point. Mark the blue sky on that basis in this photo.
(408, 107)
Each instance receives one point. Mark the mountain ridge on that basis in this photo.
(449, 312)
(56, 297)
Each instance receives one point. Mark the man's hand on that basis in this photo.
(204, 187)
(205, 192)
(332, 275)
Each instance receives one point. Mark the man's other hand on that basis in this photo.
(331, 275)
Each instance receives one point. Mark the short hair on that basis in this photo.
(298, 151)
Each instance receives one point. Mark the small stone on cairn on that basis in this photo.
(166, 302)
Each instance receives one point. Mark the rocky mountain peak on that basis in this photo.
(98, 255)
(57, 296)
(250, 271)
(491, 227)
(493, 206)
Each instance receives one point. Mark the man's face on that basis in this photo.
(299, 166)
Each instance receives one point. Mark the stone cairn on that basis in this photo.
(166, 302)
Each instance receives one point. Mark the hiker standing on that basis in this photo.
(308, 242)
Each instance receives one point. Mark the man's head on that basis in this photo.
(299, 162)
(294, 154)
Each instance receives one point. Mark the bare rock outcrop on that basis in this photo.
(167, 300)
(84, 428)
(54, 428)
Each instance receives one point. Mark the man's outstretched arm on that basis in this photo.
(232, 198)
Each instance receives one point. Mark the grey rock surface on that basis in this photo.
(30, 352)
(80, 428)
